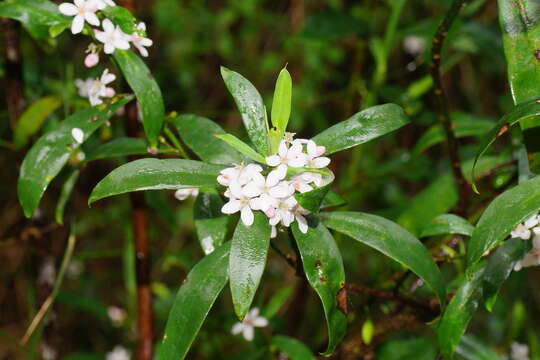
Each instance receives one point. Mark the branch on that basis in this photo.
(444, 117)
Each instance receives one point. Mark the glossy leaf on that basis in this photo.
(472, 349)
(117, 148)
(362, 127)
(439, 197)
(122, 17)
(51, 152)
(281, 105)
(198, 133)
(156, 174)
(241, 147)
(459, 312)
(247, 260)
(323, 267)
(210, 222)
(294, 349)
(37, 16)
(33, 117)
(65, 194)
(523, 111)
(392, 240)
(502, 215)
(499, 267)
(332, 199)
(447, 224)
(193, 302)
(277, 301)
(147, 91)
(251, 107)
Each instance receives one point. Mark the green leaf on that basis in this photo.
(362, 127)
(156, 174)
(65, 194)
(459, 312)
(520, 112)
(439, 197)
(312, 200)
(332, 199)
(251, 107)
(198, 133)
(281, 105)
(147, 91)
(401, 349)
(464, 125)
(327, 25)
(37, 16)
(471, 349)
(210, 222)
(193, 302)
(502, 215)
(51, 152)
(31, 120)
(323, 267)
(499, 267)
(242, 147)
(117, 148)
(122, 17)
(294, 349)
(276, 302)
(392, 240)
(447, 224)
(247, 260)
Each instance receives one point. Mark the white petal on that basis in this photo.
(108, 26)
(231, 207)
(302, 223)
(108, 48)
(274, 220)
(146, 42)
(121, 44)
(294, 150)
(283, 150)
(106, 77)
(275, 176)
(312, 149)
(78, 135)
(79, 3)
(254, 312)
(273, 160)
(237, 328)
(247, 216)
(236, 190)
(248, 333)
(320, 162)
(77, 25)
(142, 51)
(223, 180)
(68, 9)
(259, 321)
(273, 233)
(280, 191)
(182, 194)
(251, 190)
(531, 222)
(298, 161)
(91, 18)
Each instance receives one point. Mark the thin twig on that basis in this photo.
(444, 116)
(50, 299)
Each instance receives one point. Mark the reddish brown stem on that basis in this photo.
(14, 84)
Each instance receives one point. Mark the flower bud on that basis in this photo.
(91, 60)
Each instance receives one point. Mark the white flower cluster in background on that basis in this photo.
(251, 321)
(519, 351)
(110, 36)
(529, 230)
(118, 353)
(248, 189)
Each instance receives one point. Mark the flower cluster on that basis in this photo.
(110, 36)
(527, 230)
(249, 189)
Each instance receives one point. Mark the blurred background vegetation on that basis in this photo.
(343, 56)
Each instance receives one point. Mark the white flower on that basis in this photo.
(77, 135)
(95, 89)
(284, 212)
(112, 37)
(301, 181)
(532, 258)
(183, 194)
(246, 327)
(273, 232)
(240, 174)
(117, 315)
(519, 351)
(118, 353)
(293, 156)
(238, 201)
(83, 10)
(268, 189)
(299, 214)
(102, 4)
(523, 230)
(47, 352)
(315, 159)
(47, 272)
(414, 45)
(140, 42)
(83, 86)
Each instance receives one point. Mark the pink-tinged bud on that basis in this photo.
(109, 92)
(91, 60)
(152, 151)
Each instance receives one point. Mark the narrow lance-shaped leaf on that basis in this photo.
(156, 174)
(210, 222)
(294, 349)
(51, 152)
(247, 260)
(362, 127)
(447, 224)
(193, 302)
(146, 90)
(198, 132)
(251, 107)
(323, 267)
(281, 105)
(117, 148)
(392, 240)
(242, 147)
(502, 215)
(65, 194)
(33, 117)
